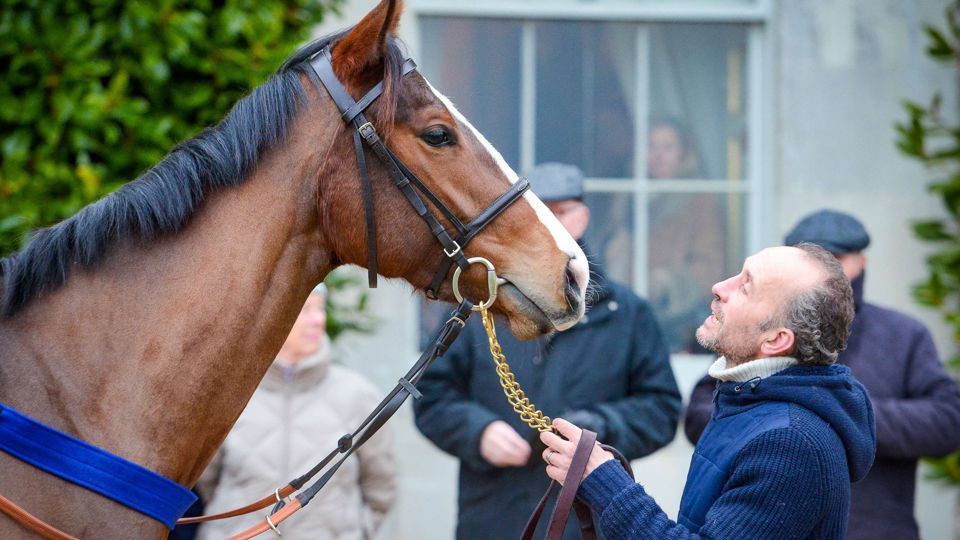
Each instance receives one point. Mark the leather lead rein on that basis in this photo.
(567, 497)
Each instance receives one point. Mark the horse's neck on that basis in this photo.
(155, 353)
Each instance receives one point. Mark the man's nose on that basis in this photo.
(721, 289)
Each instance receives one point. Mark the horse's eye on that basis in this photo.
(438, 136)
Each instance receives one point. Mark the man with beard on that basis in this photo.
(611, 373)
(916, 403)
(789, 430)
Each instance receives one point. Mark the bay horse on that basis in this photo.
(143, 323)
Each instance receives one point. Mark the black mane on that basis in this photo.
(162, 200)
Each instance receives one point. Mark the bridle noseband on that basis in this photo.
(352, 112)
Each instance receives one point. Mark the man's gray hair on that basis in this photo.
(820, 316)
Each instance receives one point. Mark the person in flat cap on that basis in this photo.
(837, 232)
(610, 373)
(916, 402)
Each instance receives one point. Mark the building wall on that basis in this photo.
(842, 69)
(839, 70)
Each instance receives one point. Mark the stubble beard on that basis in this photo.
(706, 341)
(703, 335)
(735, 351)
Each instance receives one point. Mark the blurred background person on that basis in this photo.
(610, 373)
(671, 152)
(303, 406)
(915, 401)
(687, 250)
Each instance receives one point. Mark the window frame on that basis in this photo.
(757, 182)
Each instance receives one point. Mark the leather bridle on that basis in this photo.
(352, 112)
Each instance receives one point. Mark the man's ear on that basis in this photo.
(777, 342)
(365, 45)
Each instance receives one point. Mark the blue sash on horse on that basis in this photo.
(97, 470)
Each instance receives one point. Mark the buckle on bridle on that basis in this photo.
(274, 527)
(366, 130)
(454, 252)
(457, 320)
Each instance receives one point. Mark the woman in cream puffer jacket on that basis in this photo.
(295, 417)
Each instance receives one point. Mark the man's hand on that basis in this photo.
(559, 452)
(502, 446)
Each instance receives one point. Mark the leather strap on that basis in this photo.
(284, 492)
(367, 191)
(534, 518)
(561, 511)
(587, 529)
(578, 465)
(567, 497)
(31, 522)
(270, 522)
(474, 227)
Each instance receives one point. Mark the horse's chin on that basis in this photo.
(527, 319)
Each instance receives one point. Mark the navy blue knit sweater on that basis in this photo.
(776, 461)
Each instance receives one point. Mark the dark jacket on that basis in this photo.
(917, 407)
(614, 363)
(775, 461)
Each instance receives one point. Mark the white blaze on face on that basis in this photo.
(565, 242)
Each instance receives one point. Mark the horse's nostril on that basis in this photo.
(571, 289)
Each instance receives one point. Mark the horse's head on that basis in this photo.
(545, 270)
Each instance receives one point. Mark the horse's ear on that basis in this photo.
(366, 43)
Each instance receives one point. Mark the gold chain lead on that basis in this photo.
(528, 412)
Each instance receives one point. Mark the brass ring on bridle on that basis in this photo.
(493, 282)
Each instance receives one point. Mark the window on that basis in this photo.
(661, 114)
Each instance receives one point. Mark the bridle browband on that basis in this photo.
(352, 112)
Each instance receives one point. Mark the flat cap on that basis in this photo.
(837, 232)
(556, 181)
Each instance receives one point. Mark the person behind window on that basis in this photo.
(302, 407)
(790, 430)
(611, 372)
(671, 152)
(687, 245)
(916, 403)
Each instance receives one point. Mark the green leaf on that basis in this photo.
(930, 293)
(951, 200)
(939, 47)
(156, 67)
(932, 231)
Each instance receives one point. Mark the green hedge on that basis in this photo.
(94, 92)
